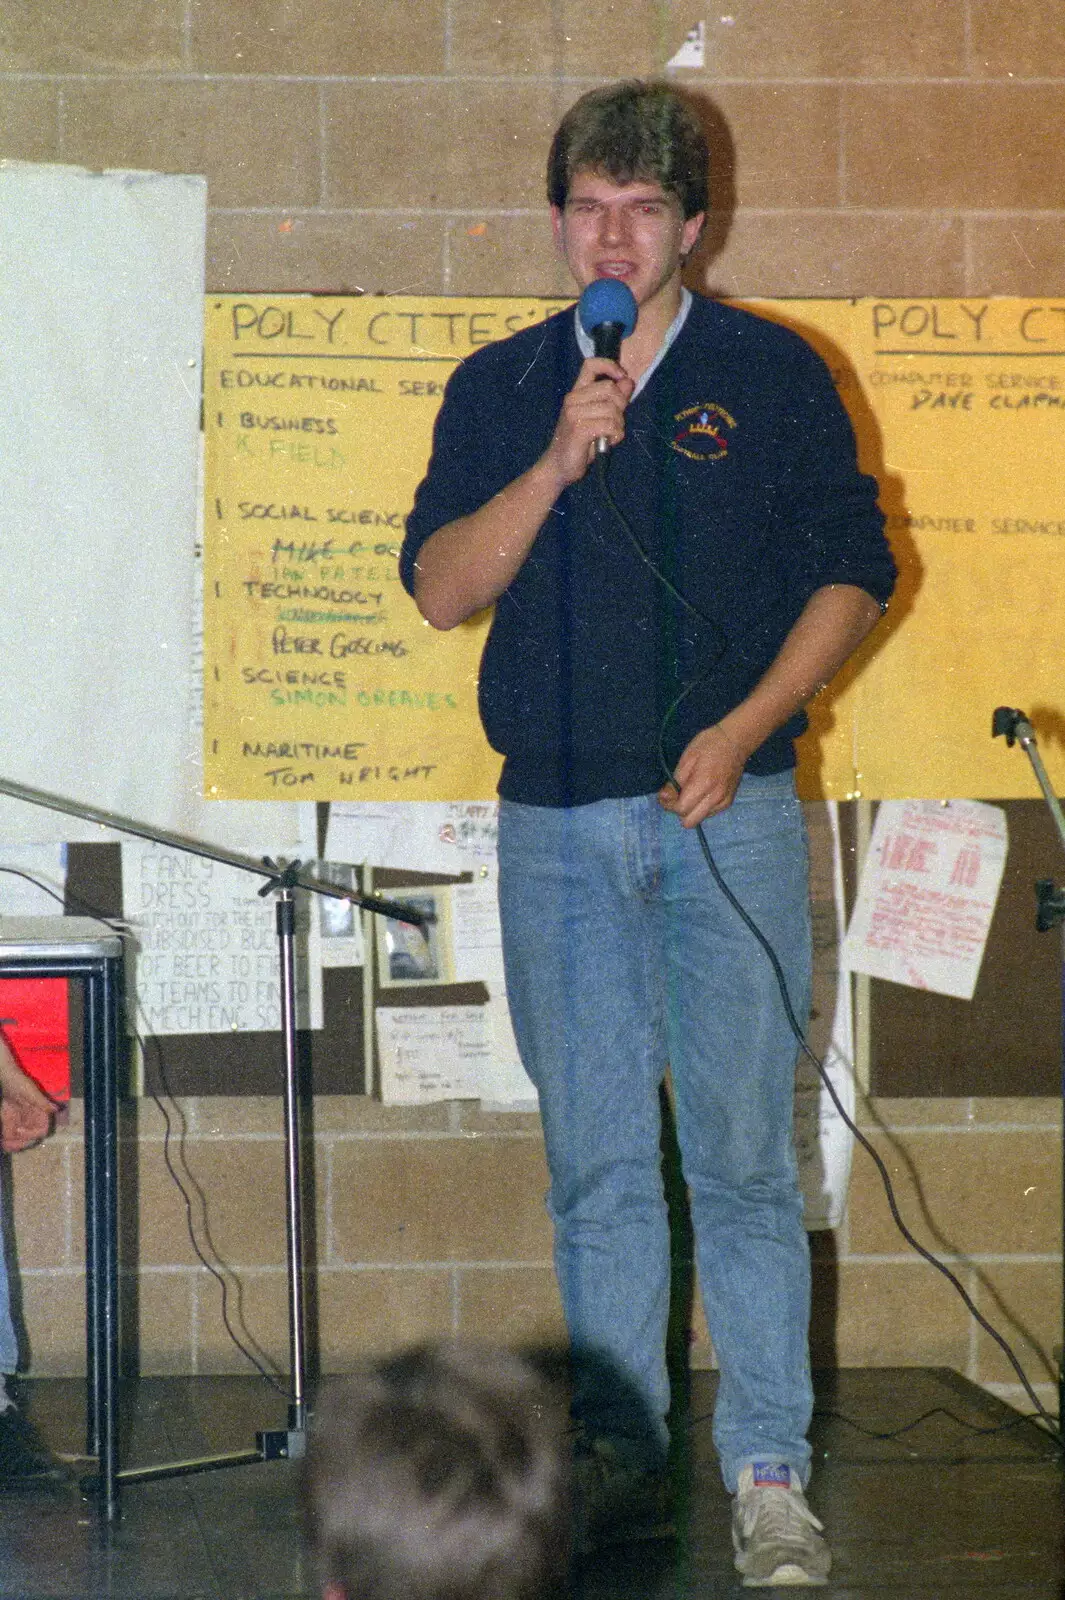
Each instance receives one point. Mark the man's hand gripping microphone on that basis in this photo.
(607, 310)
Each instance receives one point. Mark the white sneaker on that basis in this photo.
(776, 1536)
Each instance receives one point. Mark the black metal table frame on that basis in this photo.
(102, 975)
(101, 978)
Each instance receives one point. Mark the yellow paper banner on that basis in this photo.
(323, 683)
(959, 406)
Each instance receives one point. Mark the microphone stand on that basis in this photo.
(1050, 910)
(283, 879)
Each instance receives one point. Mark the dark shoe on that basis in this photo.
(25, 1460)
(617, 1501)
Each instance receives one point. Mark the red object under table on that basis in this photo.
(35, 1020)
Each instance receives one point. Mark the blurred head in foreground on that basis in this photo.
(439, 1474)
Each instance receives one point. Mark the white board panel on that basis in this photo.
(101, 314)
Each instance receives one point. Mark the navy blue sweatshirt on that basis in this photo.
(737, 475)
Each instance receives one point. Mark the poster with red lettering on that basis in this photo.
(927, 894)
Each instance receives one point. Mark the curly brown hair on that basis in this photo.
(440, 1474)
(629, 131)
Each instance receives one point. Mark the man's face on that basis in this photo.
(632, 231)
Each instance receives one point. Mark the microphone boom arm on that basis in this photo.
(288, 874)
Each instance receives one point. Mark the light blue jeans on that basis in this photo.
(621, 955)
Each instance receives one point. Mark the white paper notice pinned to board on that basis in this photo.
(823, 1142)
(207, 957)
(417, 835)
(430, 1052)
(928, 893)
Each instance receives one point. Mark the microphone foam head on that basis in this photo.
(608, 300)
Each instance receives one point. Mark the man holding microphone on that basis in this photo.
(658, 629)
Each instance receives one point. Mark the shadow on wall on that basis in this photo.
(722, 210)
(723, 201)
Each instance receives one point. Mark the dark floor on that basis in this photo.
(945, 1509)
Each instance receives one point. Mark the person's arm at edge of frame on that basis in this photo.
(26, 1112)
(831, 626)
(468, 563)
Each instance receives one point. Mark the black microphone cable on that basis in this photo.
(1053, 1425)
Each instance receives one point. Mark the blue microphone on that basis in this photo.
(607, 310)
(608, 313)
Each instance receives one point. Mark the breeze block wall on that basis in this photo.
(874, 147)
